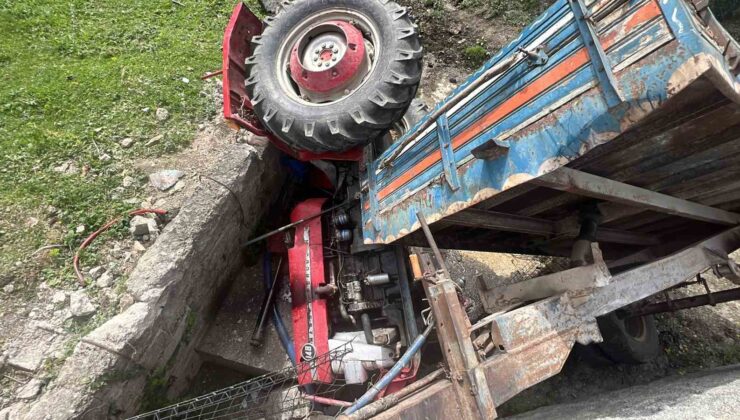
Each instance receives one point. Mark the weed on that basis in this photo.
(475, 54)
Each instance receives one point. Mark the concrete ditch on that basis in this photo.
(151, 347)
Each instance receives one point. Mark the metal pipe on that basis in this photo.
(327, 401)
(282, 331)
(258, 336)
(294, 224)
(407, 305)
(367, 328)
(392, 374)
(685, 303)
(393, 399)
(433, 244)
(469, 89)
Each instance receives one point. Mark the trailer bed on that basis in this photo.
(656, 107)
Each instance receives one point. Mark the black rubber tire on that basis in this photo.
(622, 344)
(417, 110)
(356, 119)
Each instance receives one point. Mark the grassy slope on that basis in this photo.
(75, 76)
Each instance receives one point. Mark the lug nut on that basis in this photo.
(336, 51)
(316, 51)
(334, 59)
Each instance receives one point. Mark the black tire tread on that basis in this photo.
(364, 117)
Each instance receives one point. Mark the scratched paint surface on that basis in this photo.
(545, 116)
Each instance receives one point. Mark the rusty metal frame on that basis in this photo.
(492, 220)
(582, 183)
(534, 340)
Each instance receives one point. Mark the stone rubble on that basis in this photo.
(166, 179)
(30, 390)
(80, 304)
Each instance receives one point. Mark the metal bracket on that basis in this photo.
(598, 57)
(448, 155)
(372, 193)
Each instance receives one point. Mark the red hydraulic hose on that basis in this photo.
(89, 239)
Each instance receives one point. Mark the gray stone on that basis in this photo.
(172, 298)
(96, 272)
(67, 168)
(162, 114)
(127, 142)
(140, 225)
(9, 288)
(128, 182)
(138, 247)
(164, 180)
(30, 390)
(29, 348)
(106, 280)
(104, 157)
(80, 304)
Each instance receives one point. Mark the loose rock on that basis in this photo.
(127, 142)
(138, 247)
(30, 390)
(59, 297)
(9, 288)
(164, 180)
(96, 272)
(162, 114)
(80, 228)
(154, 140)
(106, 280)
(140, 226)
(104, 157)
(80, 304)
(128, 181)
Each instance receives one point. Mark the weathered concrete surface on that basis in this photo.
(711, 394)
(175, 287)
(227, 342)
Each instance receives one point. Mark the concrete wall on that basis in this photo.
(150, 347)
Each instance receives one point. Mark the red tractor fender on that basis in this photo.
(238, 111)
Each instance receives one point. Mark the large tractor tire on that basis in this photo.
(326, 76)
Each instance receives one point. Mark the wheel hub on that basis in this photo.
(329, 61)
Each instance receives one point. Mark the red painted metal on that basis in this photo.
(309, 311)
(243, 25)
(337, 77)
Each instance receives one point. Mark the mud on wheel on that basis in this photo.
(333, 74)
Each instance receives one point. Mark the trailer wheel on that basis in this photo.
(334, 74)
(629, 340)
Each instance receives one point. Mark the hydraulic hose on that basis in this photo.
(282, 332)
(393, 373)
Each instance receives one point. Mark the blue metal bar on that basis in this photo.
(598, 57)
(282, 332)
(448, 155)
(393, 373)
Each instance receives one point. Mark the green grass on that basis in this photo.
(75, 78)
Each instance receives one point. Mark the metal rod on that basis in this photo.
(327, 401)
(258, 336)
(432, 244)
(686, 303)
(432, 119)
(407, 305)
(393, 399)
(393, 373)
(294, 224)
(367, 328)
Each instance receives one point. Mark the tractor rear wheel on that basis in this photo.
(326, 76)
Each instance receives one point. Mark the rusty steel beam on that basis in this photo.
(579, 281)
(581, 183)
(686, 303)
(492, 220)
